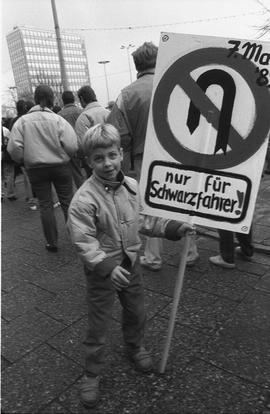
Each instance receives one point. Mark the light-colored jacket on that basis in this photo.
(40, 138)
(92, 114)
(104, 221)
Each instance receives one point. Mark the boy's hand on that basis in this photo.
(186, 229)
(118, 278)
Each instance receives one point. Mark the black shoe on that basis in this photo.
(51, 248)
(12, 198)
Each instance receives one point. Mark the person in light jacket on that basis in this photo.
(44, 142)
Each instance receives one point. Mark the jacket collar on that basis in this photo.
(37, 108)
(68, 105)
(113, 185)
(145, 72)
(94, 104)
(110, 184)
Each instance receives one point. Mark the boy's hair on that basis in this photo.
(145, 56)
(100, 136)
(87, 93)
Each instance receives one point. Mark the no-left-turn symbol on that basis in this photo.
(178, 73)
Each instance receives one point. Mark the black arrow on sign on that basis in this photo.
(222, 78)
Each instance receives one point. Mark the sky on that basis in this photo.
(105, 25)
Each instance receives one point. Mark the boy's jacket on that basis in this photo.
(104, 223)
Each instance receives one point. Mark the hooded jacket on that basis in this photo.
(42, 138)
(104, 220)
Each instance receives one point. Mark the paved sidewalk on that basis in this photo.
(219, 360)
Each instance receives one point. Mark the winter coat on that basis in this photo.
(42, 138)
(130, 112)
(70, 112)
(104, 221)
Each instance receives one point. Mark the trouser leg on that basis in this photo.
(40, 179)
(153, 249)
(100, 298)
(193, 250)
(153, 245)
(10, 180)
(226, 245)
(27, 186)
(76, 172)
(62, 181)
(133, 312)
(245, 241)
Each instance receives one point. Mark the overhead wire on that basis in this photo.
(167, 24)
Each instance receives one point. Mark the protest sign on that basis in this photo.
(207, 136)
(207, 130)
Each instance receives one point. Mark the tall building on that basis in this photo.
(34, 59)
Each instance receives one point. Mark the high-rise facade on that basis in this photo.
(34, 59)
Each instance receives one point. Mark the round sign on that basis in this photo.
(178, 73)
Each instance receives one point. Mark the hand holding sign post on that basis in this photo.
(210, 178)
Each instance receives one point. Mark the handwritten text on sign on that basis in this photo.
(197, 192)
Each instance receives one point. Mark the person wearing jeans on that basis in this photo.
(42, 179)
(44, 142)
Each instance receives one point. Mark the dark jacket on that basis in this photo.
(70, 113)
(130, 113)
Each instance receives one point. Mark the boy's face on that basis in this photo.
(106, 162)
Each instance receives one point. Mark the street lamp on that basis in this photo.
(104, 62)
(128, 56)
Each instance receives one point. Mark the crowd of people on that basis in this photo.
(88, 158)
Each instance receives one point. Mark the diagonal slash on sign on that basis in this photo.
(204, 104)
(178, 74)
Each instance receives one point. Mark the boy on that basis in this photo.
(104, 220)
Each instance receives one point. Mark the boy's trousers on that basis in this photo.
(100, 299)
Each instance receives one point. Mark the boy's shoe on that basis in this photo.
(192, 260)
(241, 254)
(154, 267)
(218, 261)
(142, 359)
(89, 391)
(51, 248)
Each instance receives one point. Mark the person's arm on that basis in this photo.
(83, 123)
(68, 137)
(15, 145)
(82, 229)
(117, 117)
(160, 227)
